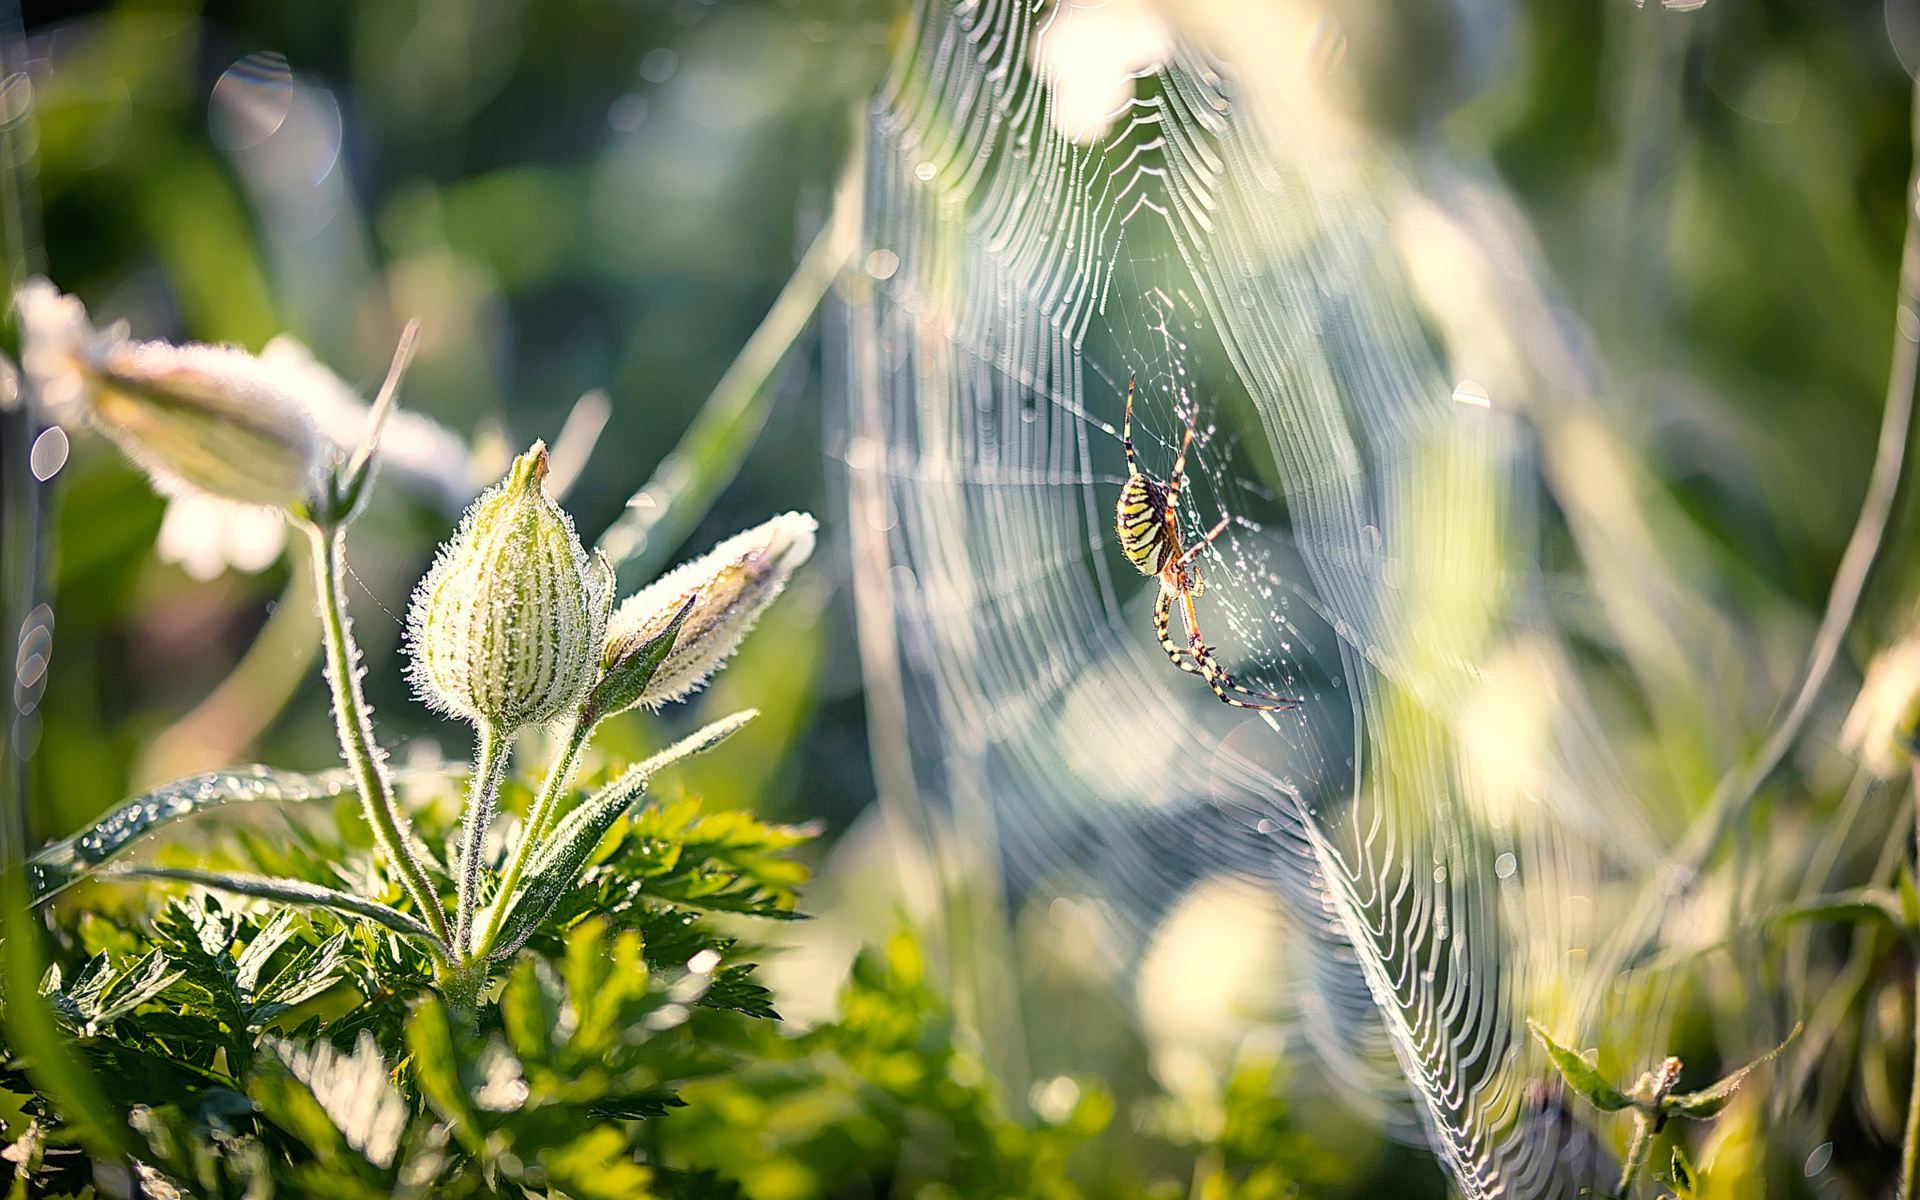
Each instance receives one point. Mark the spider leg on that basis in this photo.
(1179, 475)
(1194, 549)
(1126, 439)
(1162, 622)
(1216, 676)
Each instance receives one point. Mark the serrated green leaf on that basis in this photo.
(288, 891)
(602, 981)
(310, 972)
(152, 974)
(597, 1165)
(436, 1071)
(71, 859)
(639, 1107)
(530, 1011)
(1708, 1102)
(353, 1090)
(1580, 1076)
(273, 935)
(556, 868)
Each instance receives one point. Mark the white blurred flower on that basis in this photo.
(57, 342)
(206, 535)
(421, 454)
(196, 418)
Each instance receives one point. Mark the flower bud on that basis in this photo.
(504, 630)
(716, 599)
(202, 418)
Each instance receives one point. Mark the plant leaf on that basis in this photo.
(1579, 1075)
(273, 935)
(354, 1090)
(1860, 905)
(625, 679)
(556, 867)
(1709, 1101)
(71, 859)
(287, 891)
(1683, 1177)
(103, 993)
(436, 1069)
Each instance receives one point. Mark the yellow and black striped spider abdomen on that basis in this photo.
(1142, 520)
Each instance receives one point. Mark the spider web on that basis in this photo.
(1231, 250)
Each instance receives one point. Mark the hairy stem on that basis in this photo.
(540, 818)
(489, 765)
(355, 722)
(1638, 1151)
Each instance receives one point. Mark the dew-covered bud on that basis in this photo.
(717, 598)
(213, 419)
(506, 628)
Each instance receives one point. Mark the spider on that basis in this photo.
(1146, 520)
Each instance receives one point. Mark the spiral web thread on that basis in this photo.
(1232, 252)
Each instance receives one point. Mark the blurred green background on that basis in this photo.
(582, 194)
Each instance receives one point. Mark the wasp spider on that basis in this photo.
(1146, 519)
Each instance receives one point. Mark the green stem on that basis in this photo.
(1910, 1144)
(355, 722)
(540, 819)
(1638, 1151)
(489, 765)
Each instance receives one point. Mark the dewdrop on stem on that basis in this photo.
(211, 419)
(505, 629)
(716, 599)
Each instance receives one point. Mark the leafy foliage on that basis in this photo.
(627, 1050)
(887, 1096)
(306, 1047)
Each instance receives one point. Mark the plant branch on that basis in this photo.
(291, 891)
(355, 722)
(1638, 1151)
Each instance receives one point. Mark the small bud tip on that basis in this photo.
(530, 469)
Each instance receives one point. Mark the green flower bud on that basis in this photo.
(504, 631)
(716, 600)
(211, 419)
